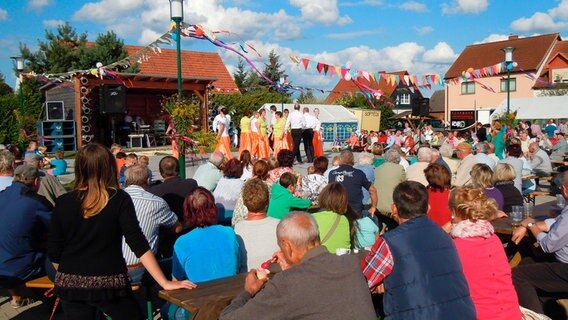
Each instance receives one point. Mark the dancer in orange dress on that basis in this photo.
(318, 136)
(254, 137)
(279, 136)
(246, 136)
(263, 146)
(221, 124)
(288, 142)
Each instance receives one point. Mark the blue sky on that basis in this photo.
(374, 35)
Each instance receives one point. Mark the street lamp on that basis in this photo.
(509, 63)
(19, 62)
(176, 15)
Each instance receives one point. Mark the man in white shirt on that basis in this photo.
(296, 124)
(539, 160)
(482, 156)
(152, 212)
(467, 161)
(308, 134)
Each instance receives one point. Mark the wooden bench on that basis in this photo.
(531, 197)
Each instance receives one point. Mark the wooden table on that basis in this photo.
(540, 212)
(206, 292)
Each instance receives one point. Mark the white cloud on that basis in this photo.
(361, 3)
(108, 11)
(539, 22)
(554, 20)
(351, 35)
(38, 5)
(493, 38)
(423, 30)
(3, 14)
(52, 23)
(440, 54)
(465, 6)
(321, 11)
(414, 6)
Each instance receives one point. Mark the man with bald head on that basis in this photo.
(539, 160)
(314, 284)
(467, 161)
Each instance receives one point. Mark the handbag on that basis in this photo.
(332, 229)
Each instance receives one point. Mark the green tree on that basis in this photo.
(308, 97)
(240, 75)
(252, 82)
(8, 107)
(4, 87)
(273, 69)
(108, 48)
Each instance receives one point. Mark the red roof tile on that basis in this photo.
(529, 53)
(193, 64)
(560, 49)
(343, 87)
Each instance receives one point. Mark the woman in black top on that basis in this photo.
(85, 242)
(504, 181)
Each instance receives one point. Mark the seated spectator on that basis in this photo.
(59, 164)
(228, 189)
(120, 160)
(353, 142)
(415, 172)
(335, 161)
(387, 177)
(365, 164)
(336, 147)
(152, 212)
(377, 151)
(246, 161)
(285, 164)
(312, 275)
(438, 194)
(482, 256)
(208, 251)
(560, 149)
(482, 177)
(437, 158)
(417, 262)
(512, 157)
(7, 165)
(282, 199)
(314, 182)
(334, 227)
(209, 173)
(25, 217)
(539, 284)
(257, 232)
(42, 153)
(447, 152)
(539, 160)
(260, 171)
(503, 179)
(50, 187)
(467, 161)
(131, 159)
(145, 160)
(31, 151)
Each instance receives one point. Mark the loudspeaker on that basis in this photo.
(54, 110)
(415, 107)
(425, 107)
(112, 99)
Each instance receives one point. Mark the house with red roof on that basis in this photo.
(473, 98)
(402, 95)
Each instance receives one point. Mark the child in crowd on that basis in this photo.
(59, 164)
(131, 159)
(120, 159)
(336, 144)
(31, 151)
(367, 233)
(146, 161)
(282, 200)
(42, 152)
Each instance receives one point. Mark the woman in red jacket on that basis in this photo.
(482, 255)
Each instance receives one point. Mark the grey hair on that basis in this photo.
(435, 152)
(446, 151)
(136, 175)
(216, 158)
(482, 147)
(424, 154)
(298, 227)
(392, 156)
(365, 158)
(6, 162)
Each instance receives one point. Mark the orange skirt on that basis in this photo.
(246, 142)
(317, 142)
(254, 136)
(263, 147)
(279, 144)
(224, 146)
(289, 142)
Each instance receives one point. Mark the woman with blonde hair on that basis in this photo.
(85, 242)
(503, 179)
(481, 253)
(482, 178)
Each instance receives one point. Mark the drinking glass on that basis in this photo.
(527, 210)
(516, 215)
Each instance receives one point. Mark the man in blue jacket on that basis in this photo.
(416, 265)
(24, 217)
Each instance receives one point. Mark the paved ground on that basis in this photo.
(39, 310)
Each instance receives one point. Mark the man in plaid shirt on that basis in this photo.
(427, 281)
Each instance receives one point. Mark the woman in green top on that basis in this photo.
(498, 139)
(263, 145)
(333, 199)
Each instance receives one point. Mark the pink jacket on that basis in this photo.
(488, 276)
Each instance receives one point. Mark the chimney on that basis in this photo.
(513, 37)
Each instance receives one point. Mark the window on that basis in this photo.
(504, 85)
(468, 87)
(404, 98)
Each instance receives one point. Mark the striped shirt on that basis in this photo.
(152, 212)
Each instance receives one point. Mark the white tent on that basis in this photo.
(554, 107)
